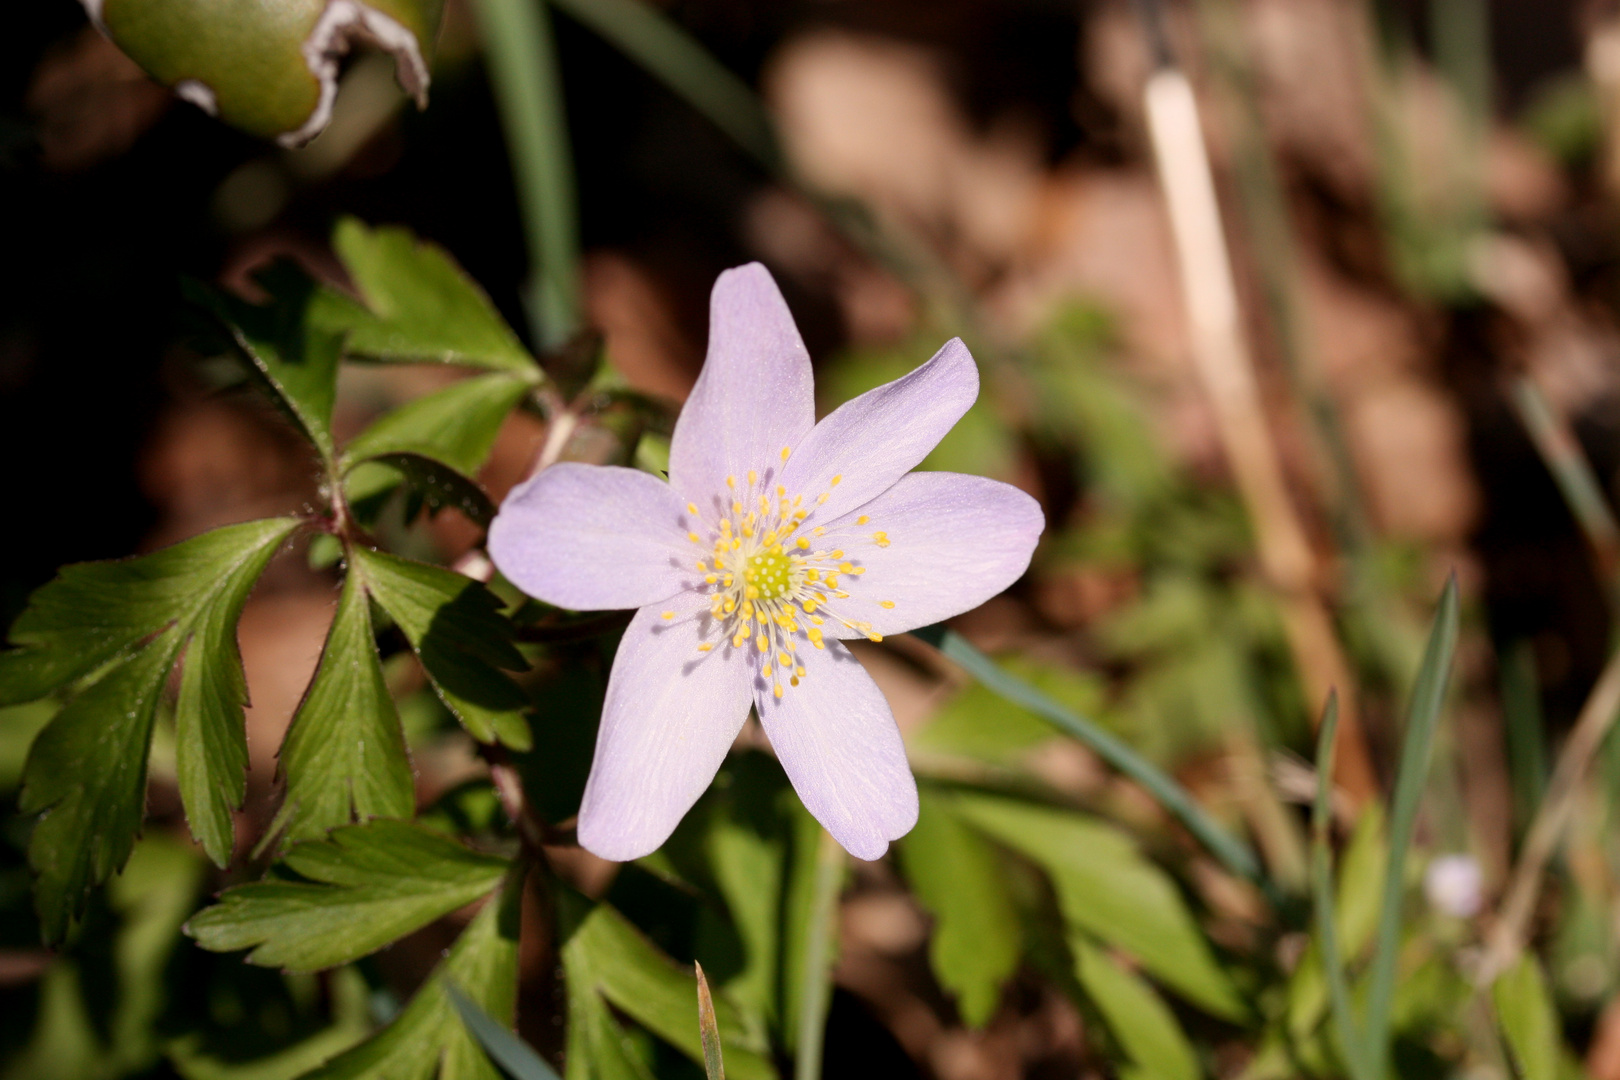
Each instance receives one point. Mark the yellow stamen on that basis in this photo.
(668, 615)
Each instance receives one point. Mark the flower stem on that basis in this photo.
(816, 989)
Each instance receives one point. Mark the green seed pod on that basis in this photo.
(268, 67)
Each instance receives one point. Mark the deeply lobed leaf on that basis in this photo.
(455, 625)
(421, 306)
(344, 756)
(86, 771)
(367, 885)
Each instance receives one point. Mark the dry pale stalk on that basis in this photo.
(1225, 368)
(1552, 818)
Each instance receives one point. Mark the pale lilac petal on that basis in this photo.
(670, 716)
(593, 538)
(755, 394)
(837, 739)
(871, 441)
(954, 541)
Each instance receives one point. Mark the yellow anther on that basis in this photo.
(705, 647)
(798, 671)
(736, 507)
(823, 497)
(838, 554)
(817, 619)
(800, 515)
(731, 605)
(691, 508)
(797, 499)
(858, 571)
(780, 491)
(668, 615)
(862, 520)
(748, 609)
(786, 450)
(784, 659)
(818, 530)
(777, 690)
(803, 543)
(764, 505)
(809, 606)
(812, 575)
(832, 581)
(819, 645)
(763, 644)
(725, 525)
(710, 579)
(794, 680)
(874, 637)
(885, 603)
(837, 478)
(731, 481)
(770, 538)
(735, 544)
(765, 671)
(814, 635)
(737, 639)
(694, 537)
(846, 568)
(753, 477)
(752, 593)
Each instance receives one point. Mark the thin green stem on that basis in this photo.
(1322, 893)
(522, 57)
(816, 990)
(1230, 851)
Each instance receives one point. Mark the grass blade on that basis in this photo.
(650, 38)
(1322, 894)
(815, 994)
(709, 1027)
(1428, 696)
(508, 1051)
(1231, 852)
(522, 57)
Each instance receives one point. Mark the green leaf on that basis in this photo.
(605, 955)
(421, 305)
(746, 861)
(455, 625)
(86, 771)
(714, 1066)
(1529, 1021)
(455, 426)
(366, 886)
(1140, 1020)
(428, 1039)
(1423, 716)
(344, 755)
(1105, 887)
(1325, 914)
(369, 485)
(957, 876)
(291, 343)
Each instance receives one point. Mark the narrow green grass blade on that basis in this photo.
(714, 1065)
(522, 58)
(1428, 696)
(1231, 852)
(815, 995)
(1526, 732)
(653, 40)
(1322, 894)
(508, 1051)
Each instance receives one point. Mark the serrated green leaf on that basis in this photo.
(368, 885)
(1106, 887)
(455, 625)
(344, 755)
(428, 1039)
(455, 426)
(421, 305)
(604, 954)
(371, 483)
(1528, 1019)
(92, 613)
(86, 771)
(977, 937)
(1140, 1020)
(293, 343)
(211, 754)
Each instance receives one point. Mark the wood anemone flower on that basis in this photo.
(775, 538)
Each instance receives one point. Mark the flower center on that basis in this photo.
(770, 572)
(773, 576)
